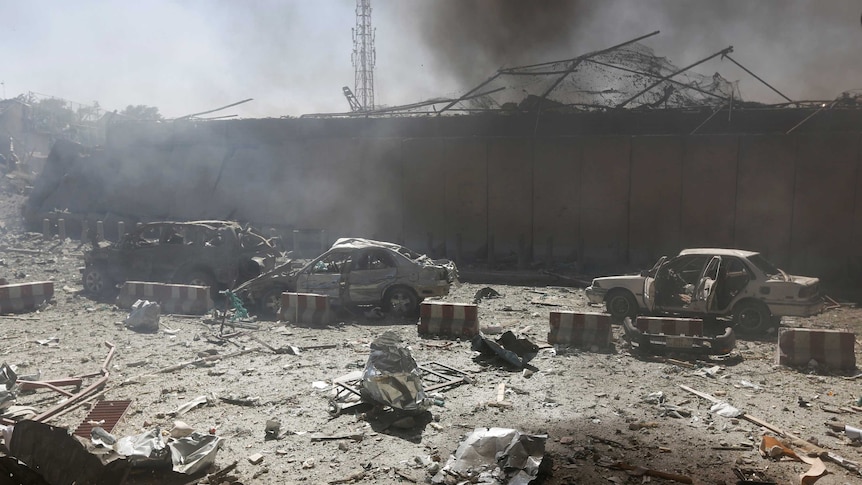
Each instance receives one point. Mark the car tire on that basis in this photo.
(96, 281)
(621, 304)
(752, 318)
(270, 303)
(401, 301)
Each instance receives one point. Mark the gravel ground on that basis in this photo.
(593, 406)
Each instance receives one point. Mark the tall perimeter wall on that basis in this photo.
(600, 200)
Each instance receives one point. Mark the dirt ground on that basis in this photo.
(593, 406)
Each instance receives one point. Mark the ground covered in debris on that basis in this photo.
(598, 408)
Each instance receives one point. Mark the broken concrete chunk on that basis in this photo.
(255, 459)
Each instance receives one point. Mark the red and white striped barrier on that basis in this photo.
(835, 349)
(690, 327)
(25, 297)
(184, 299)
(580, 329)
(305, 308)
(444, 319)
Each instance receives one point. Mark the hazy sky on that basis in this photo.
(293, 56)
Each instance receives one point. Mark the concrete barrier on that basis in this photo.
(835, 349)
(580, 329)
(183, 299)
(305, 308)
(670, 326)
(25, 297)
(444, 319)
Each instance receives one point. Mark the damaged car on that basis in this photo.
(218, 254)
(356, 272)
(709, 283)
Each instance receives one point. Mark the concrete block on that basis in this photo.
(25, 297)
(835, 349)
(580, 329)
(305, 308)
(445, 319)
(690, 327)
(183, 299)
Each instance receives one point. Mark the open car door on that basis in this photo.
(705, 293)
(649, 284)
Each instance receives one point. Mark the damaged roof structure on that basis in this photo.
(629, 75)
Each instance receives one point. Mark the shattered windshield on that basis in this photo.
(764, 265)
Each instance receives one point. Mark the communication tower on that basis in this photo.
(364, 55)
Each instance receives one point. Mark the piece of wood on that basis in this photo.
(337, 436)
(653, 473)
(351, 478)
(501, 392)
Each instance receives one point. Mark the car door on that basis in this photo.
(649, 284)
(324, 276)
(703, 299)
(138, 251)
(371, 272)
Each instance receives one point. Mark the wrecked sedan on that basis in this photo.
(358, 272)
(217, 254)
(709, 283)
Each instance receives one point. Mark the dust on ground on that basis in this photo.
(593, 405)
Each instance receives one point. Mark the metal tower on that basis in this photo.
(364, 55)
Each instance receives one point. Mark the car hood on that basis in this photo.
(619, 279)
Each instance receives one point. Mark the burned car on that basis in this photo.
(217, 254)
(709, 283)
(356, 272)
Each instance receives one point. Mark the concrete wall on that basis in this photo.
(596, 200)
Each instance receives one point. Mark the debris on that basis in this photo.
(181, 430)
(640, 471)
(255, 459)
(355, 477)
(144, 317)
(49, 342)
(272, 428)
(501, 453)
(774, 449)
(515, 352)
(337, 436)
(724, 409)
(391, 376)
(485, 293)
(184, 408)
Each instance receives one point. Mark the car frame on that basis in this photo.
(356, 272)
(711, 283)
(218, 254)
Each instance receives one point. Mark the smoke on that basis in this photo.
(806, 49)
(473, 38)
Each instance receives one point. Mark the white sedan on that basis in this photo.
(709, 283)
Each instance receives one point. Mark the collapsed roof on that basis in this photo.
(628, 75)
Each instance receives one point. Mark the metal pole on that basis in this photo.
(758, 78)
(651, 86)
(468, 93)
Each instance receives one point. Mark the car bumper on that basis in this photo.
(796, 309)
(596, 295)
(658, 343)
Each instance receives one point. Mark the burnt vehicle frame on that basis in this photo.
(355, 272)
(218, 254)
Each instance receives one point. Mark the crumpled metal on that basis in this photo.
(391, 376)
(502, 454)
(188, 455)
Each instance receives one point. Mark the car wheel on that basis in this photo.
(752, 318)
(400, 300)
(270, 303)
(621, 304)
(96, 281)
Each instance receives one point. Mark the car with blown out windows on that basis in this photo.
(711, 283)
(355, 272)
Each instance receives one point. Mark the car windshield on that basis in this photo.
(764, 265)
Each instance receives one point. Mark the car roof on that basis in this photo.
(358, 242)
(741, 253)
